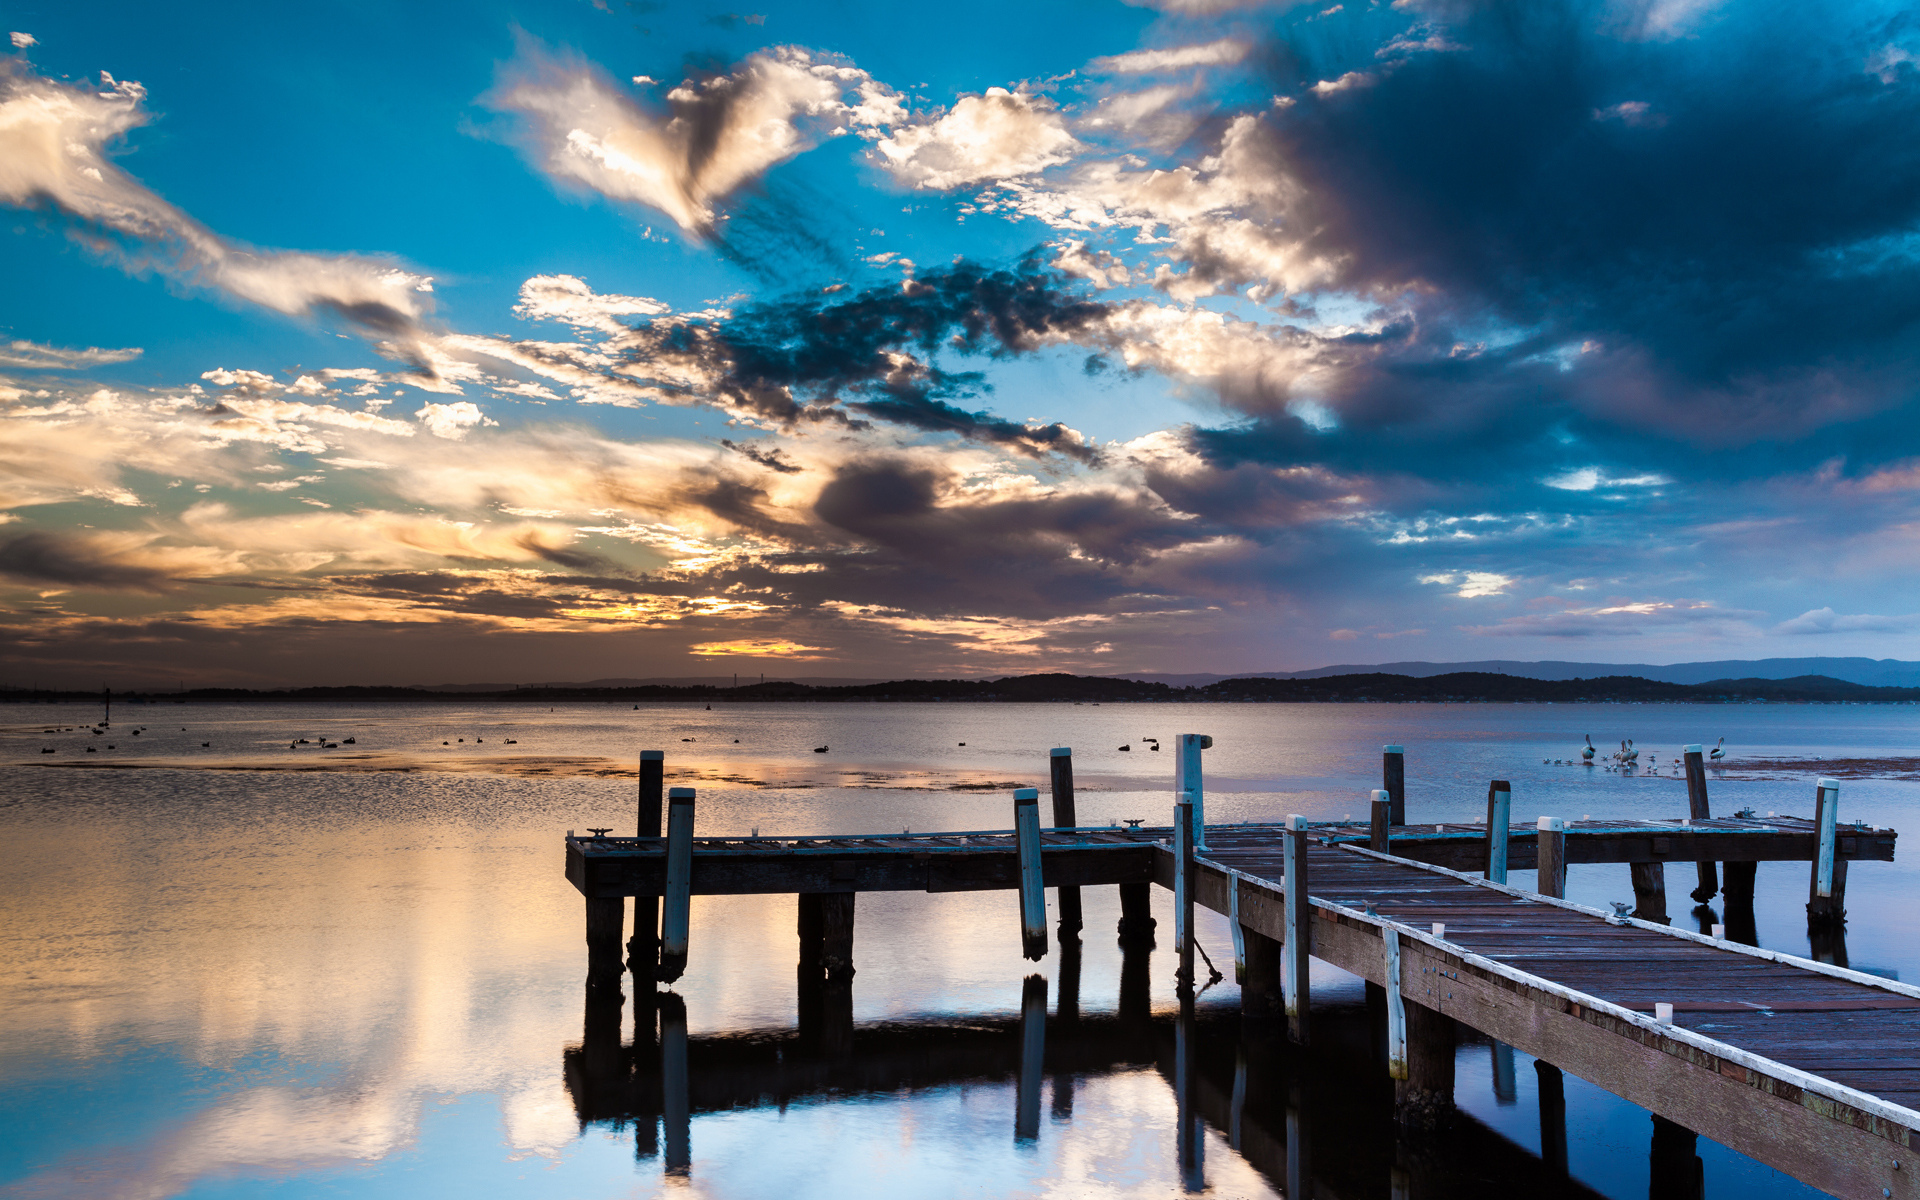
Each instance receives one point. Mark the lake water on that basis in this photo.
(235, 965)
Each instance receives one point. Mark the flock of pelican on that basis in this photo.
(1627, 757)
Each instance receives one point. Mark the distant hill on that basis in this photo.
(1876, 672)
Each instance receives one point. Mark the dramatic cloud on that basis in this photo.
(1825, 620)
(999, 135)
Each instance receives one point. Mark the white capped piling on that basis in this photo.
(1060, 774)
(1499, 816)
(1299, 927)
(1033, 895)
(1183, 831)
(1552, 857)
(1699, 810)
(1189, 781)
(1396, 1007)
(676, 911)
(1380, 818)
(1826, 890)
(1393, 778)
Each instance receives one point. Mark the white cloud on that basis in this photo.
(1206, 54)
(1635, 113)
(1587, 479)
(568, 299)
(1471, 584)
(22, 40)
(1346, 83)
(451, 420)
(36, 356)
(1884, 63)
(1622, 617)
(1825, 620)
(999, 135)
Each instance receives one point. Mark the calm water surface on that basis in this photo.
(263, 981)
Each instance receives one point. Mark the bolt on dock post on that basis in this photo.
(1299, 926)
(1060, 764)
(1393, 778)
(1033, 895)
(1188, 780)
(676, 913)
(1499, 817)
(1183, 828)
(643, 948)
(1698, 810)
(1552, 857)
(1380, 814)
(1827, 890)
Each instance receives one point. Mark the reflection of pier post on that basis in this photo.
(1505, 1088)
(1066, 1017)
(1299, 1160)
(1676, 1172)
(1189, 1139)
(1136, 996)
(675, 1103)
(1553, 1118)
(600, 1040)
(825, 972)
(1033, 1056)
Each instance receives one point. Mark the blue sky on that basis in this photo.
(410, 344)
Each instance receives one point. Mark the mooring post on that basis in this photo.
(1499, 817)
(1698, 810)
(1380, 809)
(1060, 765)
(643, 948)
(1183, 827)
(605, 916)
(676, 914)
(1826, 891)
(1298, 922)
(1393, 777)
(1033, 1054)
(1188, 781)
(1675, 1170)
(675, 1102)
(1033, 893)
(1650, 890)
(1424, 1099)
(1136, 914)
(1552, 857)
(1396, 1007)
(1553, 1117)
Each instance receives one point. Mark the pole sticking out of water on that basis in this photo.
(1393, 778)
(1299, 926)
(1499, 816)
(1826, 900)
(1060, 769)
(1697, 810)
(1379, 836)
(676, 917)
(1552, 857)
(1033, 895)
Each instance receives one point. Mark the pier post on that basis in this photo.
(1189, 782)
(1396, 1009)
(1552, 857)
(676, 1104)
(1261, 998)
(1675, 1171)
(1393, 778)
(643, 948)
(1033, 894)
(836, 935)
(1183, 827)
(1827, 890)
(1424, 1098)
(1499, 817)
(1238, 930)
(1698, 810)
(605, 918)
(1553, 1117)
(1136, 914)
(1299, 927)
(1737, 887)
(676, 912)
(1033, 1053)
(1380, 809)
(1060, 767)
(1650, 890)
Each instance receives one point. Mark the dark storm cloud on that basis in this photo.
(52, 558)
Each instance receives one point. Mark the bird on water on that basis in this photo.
(1587, 754)
(1719, 750)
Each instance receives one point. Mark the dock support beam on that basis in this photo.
(1033, 893)
(1650, 890)
(1424, 1098)
(1675, 1170)
(1262, 1002)
(605, 917)
(1827, 889)
(643, 948)
(1499, 817)
(1136, 914)
(1299, 925)
(676, 913)
(1393, 778)
(1060, 765)
(1698, 810)
(1552, 857)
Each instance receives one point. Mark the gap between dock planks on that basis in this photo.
(1823, 1130)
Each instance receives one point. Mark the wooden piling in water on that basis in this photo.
(676, 911)
(605, 917)
(1674, 1168)
(1396, 1006)
(1737, 885)
(836, 935)
(1499, 817)
(643, 948)
(1136, 914)
(1189, 780)
(1380, 810)
(1698, 810)
(1033, 893)
(1393, 778)
(1299, 928)
(1423, 1099)
(1262, 1002)
(1060, 770)
(1650, 890)
(1551, 857)
(1183, 898)
(1827, 887)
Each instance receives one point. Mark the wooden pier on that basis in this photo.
(1808, 1067)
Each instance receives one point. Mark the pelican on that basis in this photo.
(1587, 754)
(1719, 750)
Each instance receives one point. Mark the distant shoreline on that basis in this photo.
(1374, 688)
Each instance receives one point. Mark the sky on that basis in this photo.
(515, 342)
